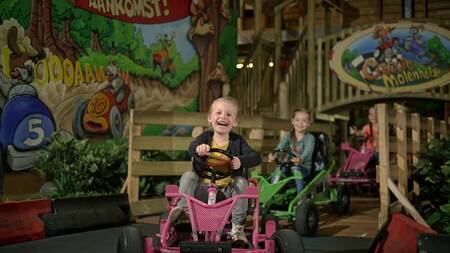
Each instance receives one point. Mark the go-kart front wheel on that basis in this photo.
(342, 204)
(287, 241)
(77, 120)
(130, 241)
(306, 218)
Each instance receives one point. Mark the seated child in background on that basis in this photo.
(300, 144)
(370, 134)
(222, 117)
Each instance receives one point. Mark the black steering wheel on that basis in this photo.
(217, 164)
(280, 161)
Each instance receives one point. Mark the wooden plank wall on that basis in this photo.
(262, 133)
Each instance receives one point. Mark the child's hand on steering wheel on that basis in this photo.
(202, 150)
(271, 157)
(296, 160)
(235, 163)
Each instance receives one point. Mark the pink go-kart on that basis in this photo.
(357, 169)
(210, 223)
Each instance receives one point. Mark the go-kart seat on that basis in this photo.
(319, 156)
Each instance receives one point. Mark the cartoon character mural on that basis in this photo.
(162, 58)
(103, 112)
(399, 57)
(89, 63)
(26, 123)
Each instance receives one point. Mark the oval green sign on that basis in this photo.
(395, 57)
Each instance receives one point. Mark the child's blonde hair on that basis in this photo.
(300, 111)
(231, 100)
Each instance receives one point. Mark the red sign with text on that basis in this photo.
(138, 11)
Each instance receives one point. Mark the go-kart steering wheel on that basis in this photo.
(281, 162)
(218, 163)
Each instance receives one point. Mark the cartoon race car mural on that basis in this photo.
(101, 114)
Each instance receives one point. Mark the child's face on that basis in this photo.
(301, 122)
(223, 117)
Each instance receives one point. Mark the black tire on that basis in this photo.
(342, 204)
(115, 122)
(306, 218)
(130, 241)
(287, 241)
(77, 119)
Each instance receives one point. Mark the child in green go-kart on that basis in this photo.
(300, 180)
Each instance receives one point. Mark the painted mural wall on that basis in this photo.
(78, 66)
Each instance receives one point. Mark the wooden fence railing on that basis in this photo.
(262, 133)
(409, 138)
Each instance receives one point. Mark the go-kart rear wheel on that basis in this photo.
(342, 204)
(130, 241)
(306, 218)
(287, 241)
(77, 119)
(115, 122)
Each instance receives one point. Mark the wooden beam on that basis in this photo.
(383, 144)
(402, 165)
(406, 204)
(430, 128)
(160, 143)
(277, 58)
(282, 5)
(133, 155)
(160, 168)
(170, 118)
(148, 207)
(311, 73)
(415, 135)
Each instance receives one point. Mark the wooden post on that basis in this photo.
(415, 127)
(133, 155)
(240, 21)
(257, 65)
(277, 58)
(430, 129)
(257, 134)
(311, 74)
(383, 144)
(328, 17)
(443, 129)
(319, 74)
(402, 166)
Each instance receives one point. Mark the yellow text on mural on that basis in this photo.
(131, 8)
(56, 70)
(399, 79)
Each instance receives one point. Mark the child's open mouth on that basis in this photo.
(222, 123)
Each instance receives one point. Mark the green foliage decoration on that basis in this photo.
(79, 168)
(433, 175)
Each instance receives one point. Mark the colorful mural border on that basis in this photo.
(394, 58)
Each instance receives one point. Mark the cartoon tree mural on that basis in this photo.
(208, 20)
(41, 30)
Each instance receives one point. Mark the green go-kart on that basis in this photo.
(282, 200)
